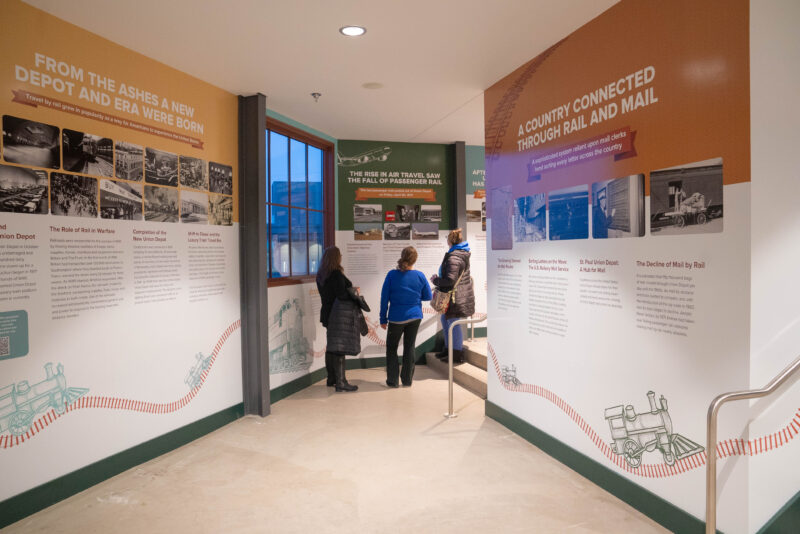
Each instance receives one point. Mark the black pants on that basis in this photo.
(409, 333)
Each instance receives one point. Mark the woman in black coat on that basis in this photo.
(454, 274)
(341, 316)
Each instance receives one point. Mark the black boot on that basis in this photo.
(458, 357)
(442, 356)
(330, 366)
(341, 380)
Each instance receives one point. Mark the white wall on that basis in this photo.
(775, 314)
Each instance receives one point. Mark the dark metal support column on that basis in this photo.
(253, 253)
(460, 188)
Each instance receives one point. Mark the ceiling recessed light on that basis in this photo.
(352, 31)
(372, 85)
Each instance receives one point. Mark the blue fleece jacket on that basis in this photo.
(402, 294)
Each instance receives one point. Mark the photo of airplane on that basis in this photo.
(377, 154)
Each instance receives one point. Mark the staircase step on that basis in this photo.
(475, 353)
(465, 375)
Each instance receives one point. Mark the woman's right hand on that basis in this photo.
(383, 326)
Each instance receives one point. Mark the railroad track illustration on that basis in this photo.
(725, 448)
(84, 402)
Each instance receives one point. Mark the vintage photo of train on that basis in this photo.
(687, 199)
(87, 153)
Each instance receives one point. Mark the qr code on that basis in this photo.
(5, 346)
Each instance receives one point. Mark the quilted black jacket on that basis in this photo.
(453, 265)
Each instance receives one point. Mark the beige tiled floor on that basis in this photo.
(378, 460)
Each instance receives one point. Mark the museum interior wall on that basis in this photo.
(635, 251)
(119, 274)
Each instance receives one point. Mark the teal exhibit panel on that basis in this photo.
(618, 181)
(476, 225)
(119, 272)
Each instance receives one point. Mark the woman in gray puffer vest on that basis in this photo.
(341, 316)
(454, 272)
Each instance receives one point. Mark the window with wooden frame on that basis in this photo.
(300, 188)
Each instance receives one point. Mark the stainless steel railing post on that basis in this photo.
(450, 414)
(711, 430)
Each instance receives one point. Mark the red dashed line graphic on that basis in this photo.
(116, 403)
(725, 448)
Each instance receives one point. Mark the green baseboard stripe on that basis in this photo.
(650, 504)
(49, 493)
(786, 520)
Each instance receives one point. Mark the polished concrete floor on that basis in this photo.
(378, 460)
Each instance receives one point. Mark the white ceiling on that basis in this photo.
(434, 57)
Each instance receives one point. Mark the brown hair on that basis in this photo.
(331, 261)
(407, 259)
(455, 237)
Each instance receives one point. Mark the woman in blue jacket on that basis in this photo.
(403, 291)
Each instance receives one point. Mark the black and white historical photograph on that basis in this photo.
(397, 231)
(120, 200)
(407, 212)
(367, 231)
(87, 153)
(194, 173)
(530, 218)
(618, 207)
(129, 161)
(687, 199)
(473, 215)
(220, 210)
(430, 213)
(367, 213)
(424, 230)
(194, 207)
(160, 204)
(73, 195)
(23, 190)
(160, 167)
(30, 143)
(220, 178)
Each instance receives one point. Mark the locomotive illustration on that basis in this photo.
(509, 375)
(195, 376)
(21, 402)
(288, 346)
(634, 434)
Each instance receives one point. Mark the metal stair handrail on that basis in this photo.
(713, 411)
(450, 414)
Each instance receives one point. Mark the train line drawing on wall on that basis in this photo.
(634, 434)
(21, 402)
(195, 377)
(509, 375)
(289, 350)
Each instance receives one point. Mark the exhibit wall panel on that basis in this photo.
(618, 201)
(775, 320)
(476, 225)
(390, 196)
(119, 272)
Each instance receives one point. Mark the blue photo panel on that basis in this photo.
(569, 213)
